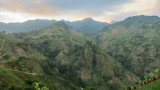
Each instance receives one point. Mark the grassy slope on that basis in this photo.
(151, 86)
(10, 77)
(147, 84)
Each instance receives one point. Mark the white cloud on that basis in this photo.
(18, 10)
(11, 17)
(7, 17)
(141, 6)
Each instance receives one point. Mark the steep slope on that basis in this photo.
(95, 68)
(21, 62)
(151, 82)
(134, 43)
(154, 85)
(76, 58)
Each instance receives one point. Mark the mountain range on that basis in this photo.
(60, 57)
(87, 25)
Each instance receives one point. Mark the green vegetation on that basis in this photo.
(134, 43)
(151, 86)
(60, 58)
(151, 82)
(77, 58)
(23, 62)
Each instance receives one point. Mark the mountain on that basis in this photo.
(25, 26)
(87, 26)
(23, 66)
(77, 58)
(134, 43)
(113, 22)
(59, 57)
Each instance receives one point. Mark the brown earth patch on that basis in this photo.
(115, 31)
(85, 74)
(20, 52)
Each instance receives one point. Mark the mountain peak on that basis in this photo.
(88, 19)
(59, 23)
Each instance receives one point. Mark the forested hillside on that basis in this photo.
(59, 57)
(22, 66)
(77, 58)
(134, 43)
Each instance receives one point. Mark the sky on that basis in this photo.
(72, 10)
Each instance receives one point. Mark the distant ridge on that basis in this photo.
(87, 25)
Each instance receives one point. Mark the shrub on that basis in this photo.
(89, 88)
(13, 87)
(28, 81)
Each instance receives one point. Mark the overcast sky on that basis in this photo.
(100, 10)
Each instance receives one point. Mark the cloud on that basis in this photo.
(53, 6)
(7, 17)
(157, 6)
(34, 7)
(136, 7)
(102, 10)
(14, 6)
(141, 6)
(86, 4)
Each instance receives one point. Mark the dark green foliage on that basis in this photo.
(14, 87)
(151, 82)
(89, 88)
(29, 85)
(28, 82)
(154, 85)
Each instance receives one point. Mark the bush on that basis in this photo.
(28, 81)
(34, 84)
(89, 88)
(13, 87)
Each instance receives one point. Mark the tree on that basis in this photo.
(146, 78)
(40, 86)
(1, 49)
(152, 76)
(157, 71)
